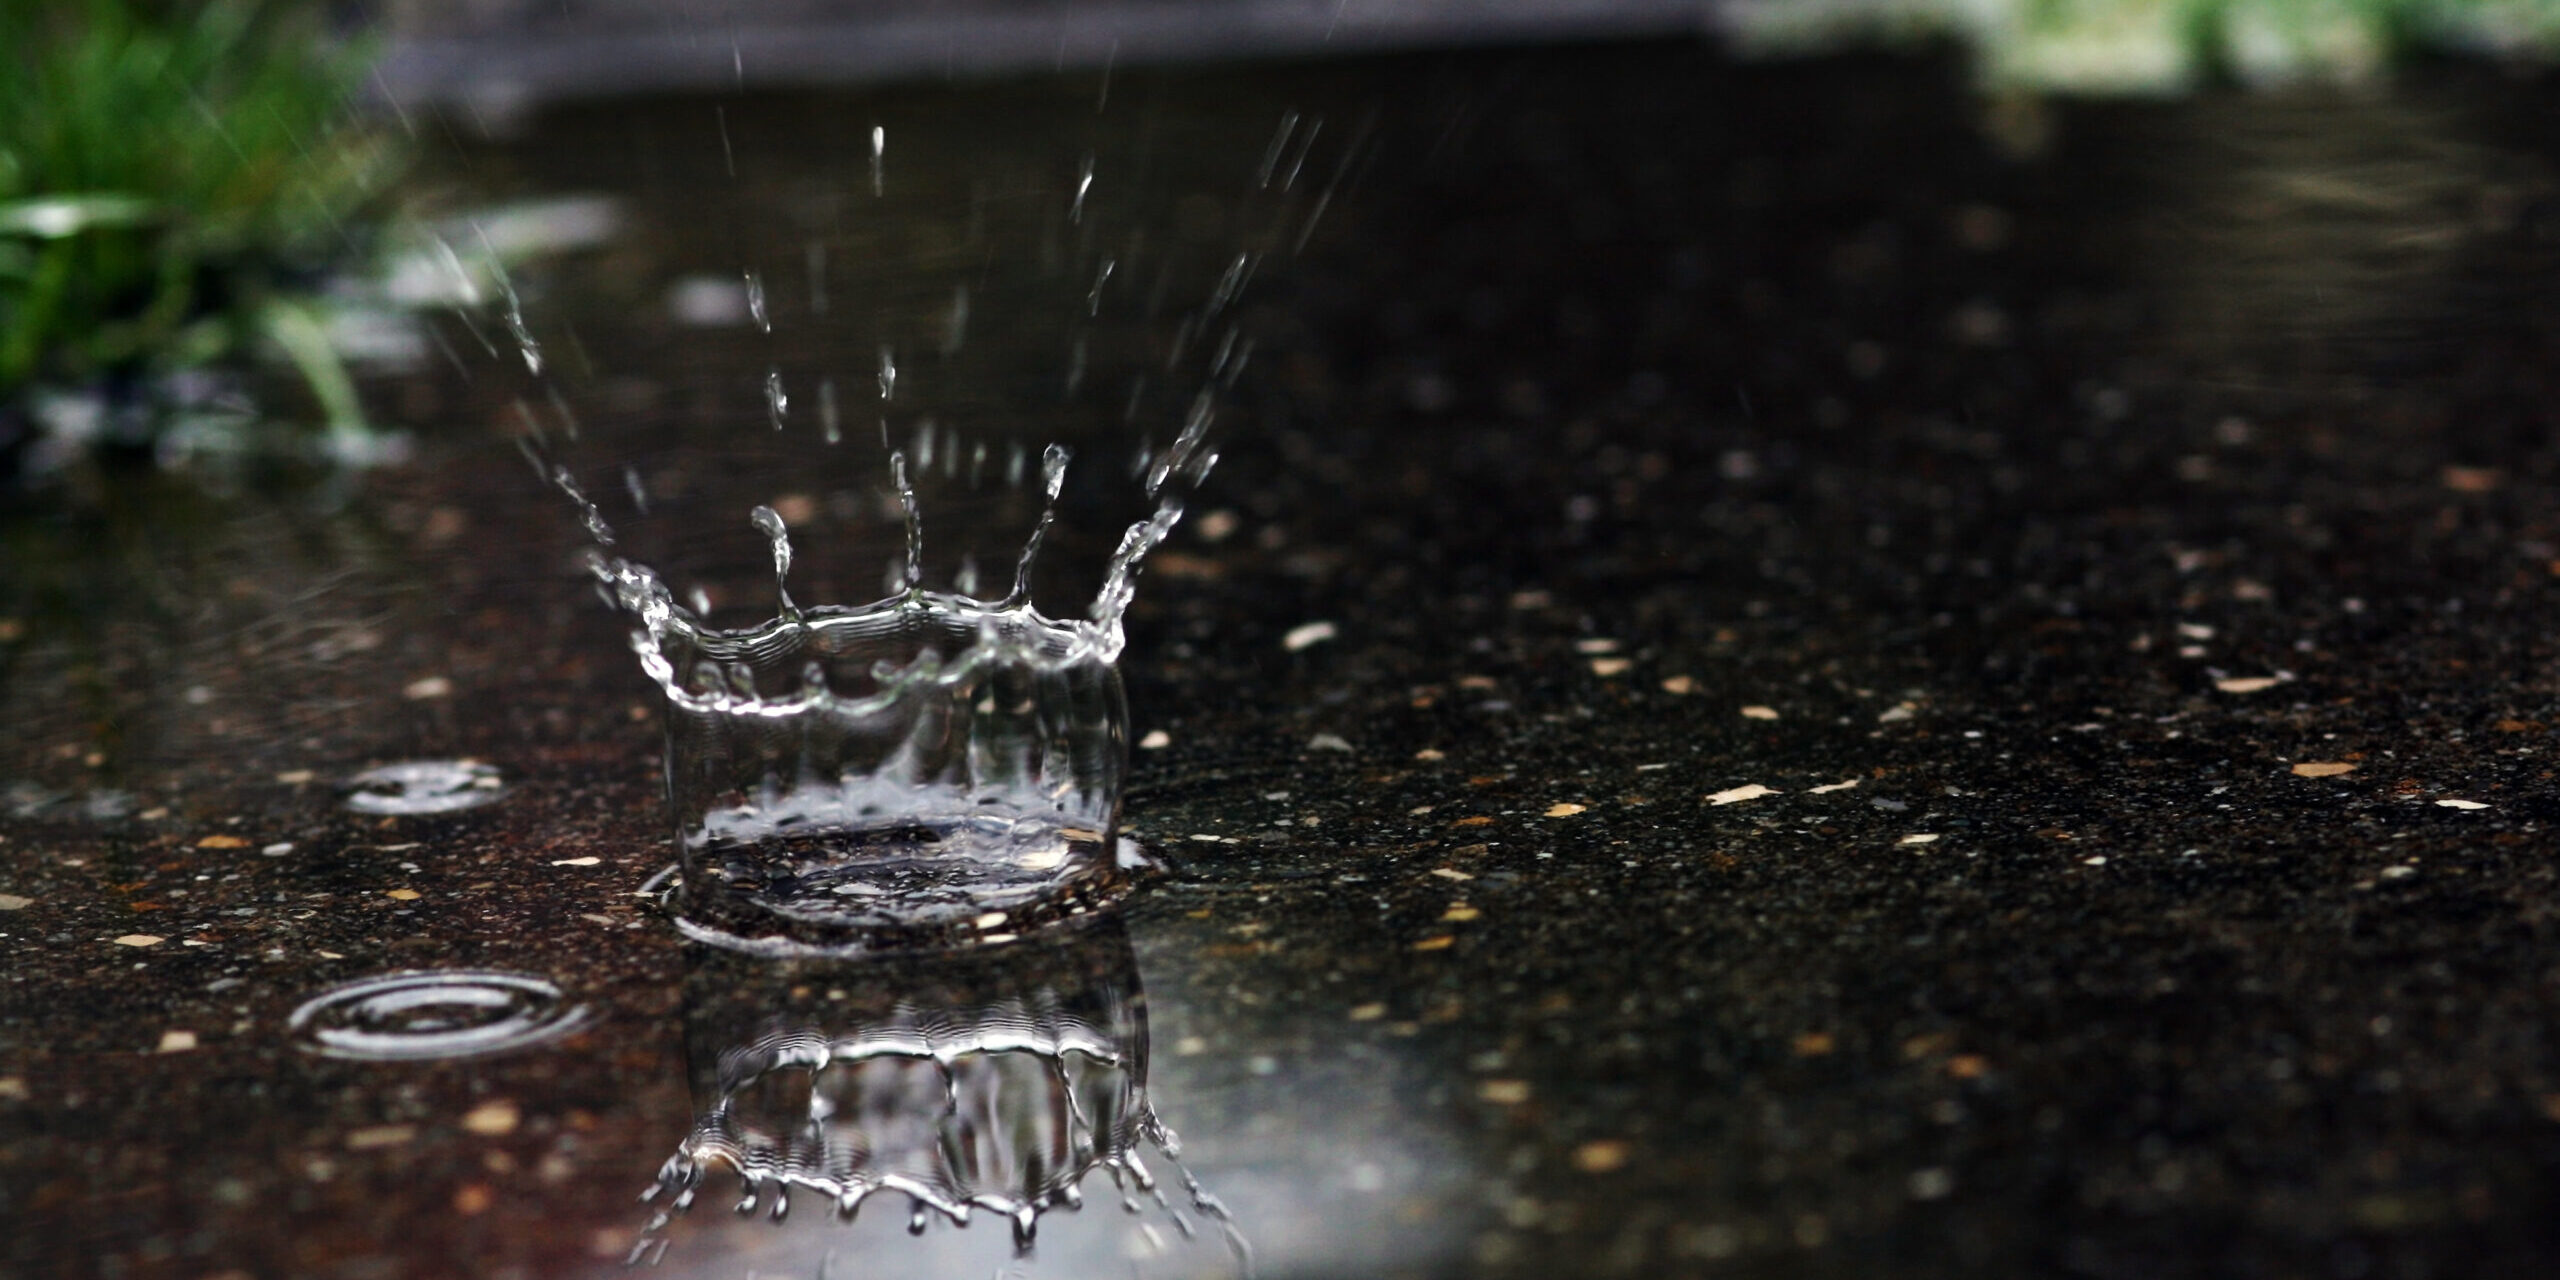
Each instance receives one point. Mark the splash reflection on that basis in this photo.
(991, 1082)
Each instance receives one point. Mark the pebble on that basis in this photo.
(1829, 787)
(1509, 1093)
(576, 862)
(1328, 742)
(1759, 713)
(2447, 804)
(1156, 740)
(1607, 667)
(404, 895)
(1605, 1156)
(1367, 1012)
(2322, 768)
(12, 902)
(1565, 810)
(1681, 685)
(1736, 795)
(140, 940)
(1303, 635)
(2247, 684)
(431, 687)
(222, 842)
(1920, 837)
(176, 1041)
(493, 1119)
(381, 1135)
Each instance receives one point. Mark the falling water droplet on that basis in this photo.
(879, 146)
(817, 257)
(1279, 143)
(827, 421)
(888, 371)
(755, 302)
(1093, 297)
(777, 402)
(1084, 185)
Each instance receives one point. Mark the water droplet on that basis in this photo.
(777, 402)
(755, 302)
(455, 1014)
(417, 787)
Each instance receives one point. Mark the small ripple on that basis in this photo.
(434, 1014)
(425, 786)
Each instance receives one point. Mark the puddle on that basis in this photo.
(414, 787)
(405, 1017)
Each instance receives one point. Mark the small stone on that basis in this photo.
(1595, 647)
(1440, 943)
(222, 842)
(13, 1089)
(1759, 713)
(1829, 787)
(1367, 1012)
(2448, 804)
(2322, 768)
(1931, 1184)
(1736, 795)
(1429, 754)
(2247, 684)
(12, 902)
(1564, 810)
(431, 687)
(1681, 685)
(472, 1199)
(1156, 740)
(277, 850)
(1814, 1044)
(1897, 714)
(294, 777)
(2473, 479)
(404, 895)
(494, 1119)
(1919, 837)
(1451, 873)
(1460, 913)
(1608, 667)
(1605, 1156)
(577, 862)
(1328, 742)
(377, 1136)
(140, 940)
(1304, 635)
(1507, 1093)
(176, 1041)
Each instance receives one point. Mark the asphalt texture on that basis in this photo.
(1786, 671)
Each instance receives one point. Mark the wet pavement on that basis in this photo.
(1786, 672)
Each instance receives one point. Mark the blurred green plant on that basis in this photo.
(173, 176)
(2163, 46)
